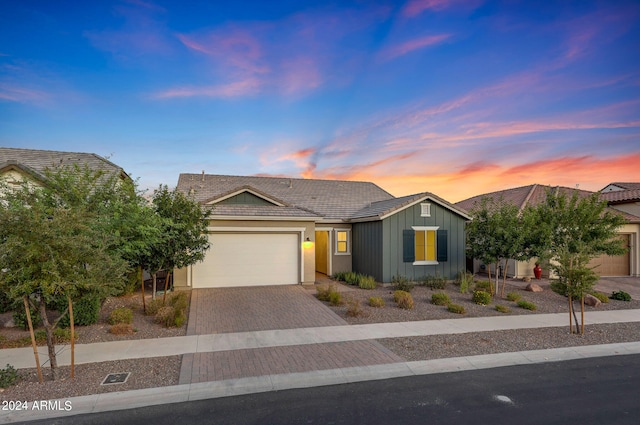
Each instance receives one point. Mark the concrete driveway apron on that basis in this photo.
(238, 310)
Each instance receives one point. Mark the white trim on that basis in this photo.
(417, 201)
(425, 209)
(348, 232)
(329, 231)
(239, 191)
(260, 218)
(427, 262)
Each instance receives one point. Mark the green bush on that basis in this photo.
(376, 302)
(456, 308)
(465, 279)
(481, 297)
(338, 276)
(483, 285)
(20, 316)
(8, 376)
(601, 296)
(179, 300)
(435, 282)
(440, 298)
(86, 311)
(6, 304)
(397, 294)
(153, 306)
(166, 316)
(503, 309)
(513, 296)
(404, 300)
(335, 298)
(351, 278)
(121, 315)
(620, 296)
(366, 282)
(402, 283)
(527, 305)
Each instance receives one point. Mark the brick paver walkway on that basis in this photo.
(224, 310)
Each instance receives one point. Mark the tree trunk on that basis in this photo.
(490, 282)
(504, 277)
(582, 315)
(144, 302)
(570, 318)
(50, 342)
(33, 337)
(575, 317)
(166, 286)
(73, 339)
(153, 290)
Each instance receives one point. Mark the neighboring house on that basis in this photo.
(17, 164)
(624, 201)
(277, 230)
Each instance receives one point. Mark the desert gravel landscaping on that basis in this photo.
(164, 371)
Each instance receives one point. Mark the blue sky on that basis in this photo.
(453, 97)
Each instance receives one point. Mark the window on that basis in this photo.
(425, 210)
(342, 242)
(424, 245)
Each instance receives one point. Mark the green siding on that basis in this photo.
(366, 246)
(392, 258)
(245, 198)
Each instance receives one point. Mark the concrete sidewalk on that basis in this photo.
(21, 358)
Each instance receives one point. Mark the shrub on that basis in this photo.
(404, 300)
(121, 315)
(322, 292)
(456, 308)
(601, 296)
(465, 279)
(179, 300)
(527, 305)
(353, 308)
(20, 316)
(61, 335)
(366, 282)
(513, 296)
(435, 282)
(335, 299)
(166, 316)
(481, 297)
(8, 376)
(351, 278)
(338, 276)
(402, 283)
(483, 285)
(503, 309)
(620, 296)
(86, 310)
(376, 302)
(153, 306)
(397, 294)
(121, 329)
(440, 298)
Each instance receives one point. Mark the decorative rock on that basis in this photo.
(526, 279)
(592, 301)
(533, 287)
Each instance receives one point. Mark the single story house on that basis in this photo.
(280, 231)
(623, 201)
(18, 165)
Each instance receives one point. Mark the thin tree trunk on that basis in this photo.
(50, 342)
(575, 317)
(166, 286)
(33, 337)
(493, 292)
(73, 339)
(582, 315)
(144, 302)
(504, 277)
(490, 282)
(153, 290)
(570, 318)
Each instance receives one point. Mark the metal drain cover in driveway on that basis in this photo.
(116, 378)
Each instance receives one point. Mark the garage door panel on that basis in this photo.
(249, 259)
(617, 265)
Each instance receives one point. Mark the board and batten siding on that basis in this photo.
(392, 249)
(367, 249)
(245, 198)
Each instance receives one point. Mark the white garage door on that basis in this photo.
(249, 259)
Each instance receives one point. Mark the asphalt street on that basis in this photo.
(596, 391)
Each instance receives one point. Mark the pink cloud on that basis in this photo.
(235, 89)
(15, 93)
(416, 7)
(402, 49)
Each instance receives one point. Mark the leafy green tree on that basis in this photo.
(184, 241)
(571, 231)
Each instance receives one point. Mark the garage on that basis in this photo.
(614, 265)
(249, 259)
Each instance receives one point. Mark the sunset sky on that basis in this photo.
(453, 97)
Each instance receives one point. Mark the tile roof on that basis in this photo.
(36, 160)
(626, 186)
(622, 196)
(330, 199)
(260, 211)
(380, 209)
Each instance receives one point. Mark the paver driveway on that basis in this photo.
(225, 310)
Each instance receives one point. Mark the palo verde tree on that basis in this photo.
(49, 250)
(183, 239)
(571, 231)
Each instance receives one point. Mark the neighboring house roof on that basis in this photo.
(620, 186)
(622, 196)
(381, 209)
(36, 161)
(521, 196)
(330, 199)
